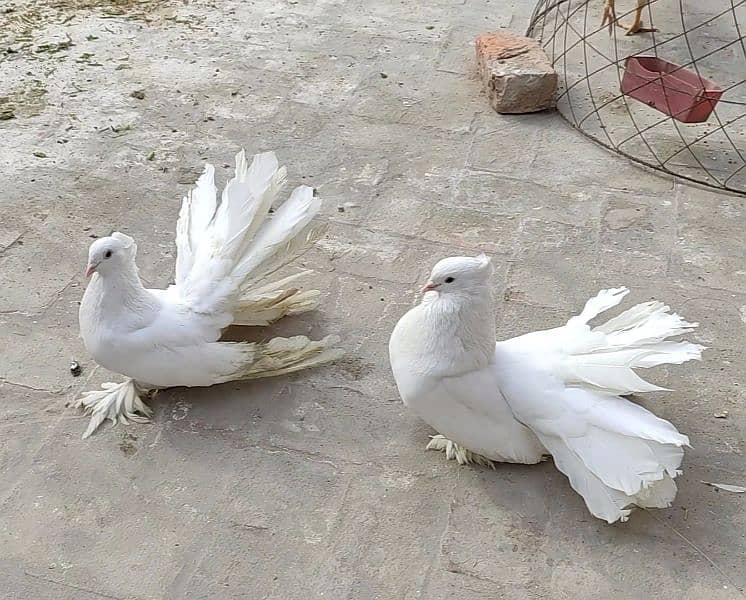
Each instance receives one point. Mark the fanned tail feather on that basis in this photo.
(267, 304)
(603, 502)
(611, 484)
(281, 235)
(625, 456)
(629, 419)
(283, 256)
(280, 356)
(197, 210)
(625, 463)
(616, 454)
(601, 302)
(644, 324)
(266, 182)
(605, 356)
(223, 248)
(246, 200)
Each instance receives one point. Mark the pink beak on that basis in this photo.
(89, 270)
(429, 287)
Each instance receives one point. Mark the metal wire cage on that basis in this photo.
(672, 99)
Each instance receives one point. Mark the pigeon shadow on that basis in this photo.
(241, 405)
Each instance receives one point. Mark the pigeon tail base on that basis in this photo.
(264, 309)
(453, 451)
(281, 356)
(117, 402)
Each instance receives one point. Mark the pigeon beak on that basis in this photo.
(89, 270)
(429, 287)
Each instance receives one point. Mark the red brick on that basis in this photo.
(516, 73)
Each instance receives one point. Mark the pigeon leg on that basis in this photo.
(453, 451)
(117, 402)
(609, 16)
(636, 26)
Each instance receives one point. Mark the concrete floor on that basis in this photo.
(317, 485)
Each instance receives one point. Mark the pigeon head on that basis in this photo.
(110, 254)
(460, 274)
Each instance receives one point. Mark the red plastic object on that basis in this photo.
(669, 88)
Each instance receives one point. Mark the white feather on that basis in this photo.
(555, 391)
(601, 302)
(602, 501)
(197, 210)
(166, 338)
(564, 383)
(237, 241)
(288, 221)
(604, 357)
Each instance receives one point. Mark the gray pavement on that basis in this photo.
(317, 485)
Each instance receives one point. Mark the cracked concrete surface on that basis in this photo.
(317, 485)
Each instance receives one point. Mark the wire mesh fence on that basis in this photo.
(662, 82)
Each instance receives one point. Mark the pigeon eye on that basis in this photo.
(449, 280)
(107, 254)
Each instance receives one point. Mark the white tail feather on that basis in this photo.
(616, 464)
(197, 210)
(604, 357)
(289, 221)
(630, 317)
(670, 353)
(256, 311)
(280, 356)
(601, 302)
(628, 464)
(603, 502)
(615, 453)
(220, 247)
(623, 417)
(274, 286)
(283, 256)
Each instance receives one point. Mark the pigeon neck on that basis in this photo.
(122, 288)
(464, 326)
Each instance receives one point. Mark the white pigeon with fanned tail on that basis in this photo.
(555, 392)
(225, 252)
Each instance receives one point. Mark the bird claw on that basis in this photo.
(117, 402)
(609, 19)
(458, 453)
(633, 29)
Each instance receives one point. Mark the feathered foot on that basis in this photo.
(453, 451)
(118, 402)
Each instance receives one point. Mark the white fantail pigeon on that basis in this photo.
(555, 392)
(225, 252)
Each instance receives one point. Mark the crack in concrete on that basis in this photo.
(698, 550)
(25, 386)
(12, 242)
(40, 311)
(73, 587)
